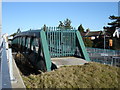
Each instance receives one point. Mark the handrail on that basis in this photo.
(5, 76)
(106, 56)
(104, 51)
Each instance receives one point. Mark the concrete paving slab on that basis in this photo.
(67, 61)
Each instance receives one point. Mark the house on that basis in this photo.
(92, 34)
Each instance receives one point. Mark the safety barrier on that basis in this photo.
(5, 75)
(105, 56)
(61, 43)
(6, 69)
(65, 42)
(102, 52)
(33, 45)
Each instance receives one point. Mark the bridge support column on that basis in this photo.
(82, 46)
(45, 50)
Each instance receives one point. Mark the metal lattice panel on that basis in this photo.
(61, 42)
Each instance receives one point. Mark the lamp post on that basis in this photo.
(104, 32)
(104, 43)
(104, 39)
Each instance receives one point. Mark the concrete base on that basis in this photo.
(67, 61)
(18, 82)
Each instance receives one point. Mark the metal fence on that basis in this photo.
(102, 52)
(105, 56)
(61, 42)
(65, 42)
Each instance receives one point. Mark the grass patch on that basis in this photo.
(91, 75)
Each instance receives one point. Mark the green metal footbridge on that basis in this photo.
(39, 46)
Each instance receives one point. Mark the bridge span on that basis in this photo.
(43, 49)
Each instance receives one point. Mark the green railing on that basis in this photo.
(65, 42)
(61, 42)
(33, 45)
(38, 46)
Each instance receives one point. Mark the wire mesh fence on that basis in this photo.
(105, 56)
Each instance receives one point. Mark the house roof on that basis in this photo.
(83, 33)
(93, 33)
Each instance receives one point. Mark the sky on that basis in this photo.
(60, 0)
(33, 15)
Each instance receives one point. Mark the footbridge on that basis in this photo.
(48, 49)
(39, 46)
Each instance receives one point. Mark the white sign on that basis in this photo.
(117, 32)
(104, 54)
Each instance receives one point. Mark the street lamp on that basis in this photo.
(104, 32)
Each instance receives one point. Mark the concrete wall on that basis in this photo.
(0, 20)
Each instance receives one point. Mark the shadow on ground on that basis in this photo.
(24, 66)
